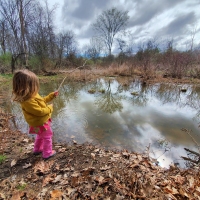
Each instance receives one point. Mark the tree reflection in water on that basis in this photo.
(109, 102)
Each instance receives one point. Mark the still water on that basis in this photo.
(123, 114)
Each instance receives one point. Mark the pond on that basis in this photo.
(124, 114)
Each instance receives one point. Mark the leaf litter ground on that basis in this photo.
(85, 171)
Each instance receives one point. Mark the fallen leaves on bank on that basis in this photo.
(89, 172)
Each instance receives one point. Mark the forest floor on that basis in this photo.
(86, 171)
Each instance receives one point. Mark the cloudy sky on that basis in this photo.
(160, 20)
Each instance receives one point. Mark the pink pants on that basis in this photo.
(43, 142)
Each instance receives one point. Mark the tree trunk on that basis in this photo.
(21, 16)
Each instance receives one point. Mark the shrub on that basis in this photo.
(90, 62)
(35, 63)
(5, 59)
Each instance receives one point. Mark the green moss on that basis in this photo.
(2, 158)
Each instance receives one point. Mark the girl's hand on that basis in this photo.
(56, 93)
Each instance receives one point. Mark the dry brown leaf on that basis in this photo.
(191, 181)
(13, 163)
(183, 192)
(118, 197)
(134, 165)
(197, 189)
(171, 190)
(75, 174)
(43, 166)
(171, 197)
(105, 168)
(96, 150)
(74, 141)
(116, 155)
(197, 192)
(146, 163)
(93, 155)
(126, 154)
(139, 157)
(99, 179)
(17, 195)
(106, 189)
(25, 140)
(62, 150)
(2, 196)
(56, 194)
(74, 181)
(64, 182)
(178, 179)
(70, 190)
(57, 167)
(87, 171)
(46, 180)
(57, 179)
(27, 165)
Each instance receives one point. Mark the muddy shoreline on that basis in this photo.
(85, 171)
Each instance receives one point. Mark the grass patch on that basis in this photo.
(21, 186)
(6, 77)
(2, 158)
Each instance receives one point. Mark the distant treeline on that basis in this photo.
(28, 39)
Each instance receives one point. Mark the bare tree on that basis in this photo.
(3, 33)
(192, 34)
(49, 13)
(66, 45)
(94, 49)
(109, 23)
(18, 14)
(20, 8)
(146, 57)
(8, 10)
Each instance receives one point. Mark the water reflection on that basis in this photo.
(109, 102)
(131, 116)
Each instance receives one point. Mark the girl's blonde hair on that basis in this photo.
(25, 85)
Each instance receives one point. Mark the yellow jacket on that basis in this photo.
(36, 111)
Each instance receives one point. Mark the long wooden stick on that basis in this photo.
(69, 73)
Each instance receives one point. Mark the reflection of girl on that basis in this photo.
(36, 112)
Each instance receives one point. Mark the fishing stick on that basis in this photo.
(69, 73)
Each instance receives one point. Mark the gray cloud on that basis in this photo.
(146, 10)
(179, 25)
(148, 18)
(87, 8)
(76, 13)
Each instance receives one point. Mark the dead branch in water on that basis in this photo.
(193, 157)
(190, 160)
(188, 132)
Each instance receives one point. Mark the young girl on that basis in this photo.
(36, 111)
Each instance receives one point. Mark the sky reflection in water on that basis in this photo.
(153, 116)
